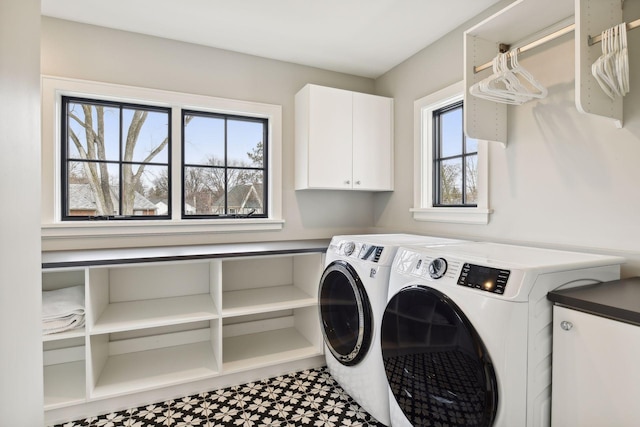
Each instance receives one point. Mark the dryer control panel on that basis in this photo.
(484, 278)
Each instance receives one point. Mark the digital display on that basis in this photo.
(484, 278)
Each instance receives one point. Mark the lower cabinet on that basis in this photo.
(595, 371)
(158, 324)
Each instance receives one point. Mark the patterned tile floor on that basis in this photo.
(306, 398)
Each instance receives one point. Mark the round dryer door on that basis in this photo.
(345, 313)
(437, 367)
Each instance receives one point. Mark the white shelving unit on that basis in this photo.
(516, 25)
(64, 353)
(592, 17)
(169, 322)
(529, 21)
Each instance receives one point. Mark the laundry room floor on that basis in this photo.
(306, 398)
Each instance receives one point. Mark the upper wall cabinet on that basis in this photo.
(515, 25)
(344, 140)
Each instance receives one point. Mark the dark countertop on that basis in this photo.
(618, 299)
(90, 257)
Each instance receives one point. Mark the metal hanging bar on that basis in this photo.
(630, 26)
(529, 46)
(561, 32)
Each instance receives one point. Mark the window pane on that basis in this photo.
(145, 136)
(224, 166)
(471, 178)
(137, 186)
(451, 182)
(245, 145)
(203, 140)
(471, 145)
(246, 192)
(204, 189)
(451, 133)
(93, 132)
(92, 197)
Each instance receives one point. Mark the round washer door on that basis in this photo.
(437, 367)
(345, 313)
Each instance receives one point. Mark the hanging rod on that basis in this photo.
(630, 26)
(561, 32)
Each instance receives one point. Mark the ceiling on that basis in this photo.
(360, 37)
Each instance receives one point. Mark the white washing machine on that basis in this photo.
(352, 296)
(466, 333)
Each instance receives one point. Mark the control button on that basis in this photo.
(437, 268)
(348, 248)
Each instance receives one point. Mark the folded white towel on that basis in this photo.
(63, 309)
(62, 324)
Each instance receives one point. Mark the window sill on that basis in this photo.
(116, 228)
(453, 215)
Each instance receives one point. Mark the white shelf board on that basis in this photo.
(73, 333)
(265, 348)
(64, 384)
(522, 19)
(125, 316)
(150, 369)
(260, 300)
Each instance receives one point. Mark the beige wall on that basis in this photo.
(565, 179)
(20, 292)
(99, 54)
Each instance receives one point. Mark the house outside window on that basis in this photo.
(451, 171)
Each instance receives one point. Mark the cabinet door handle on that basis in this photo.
(358, 182)
(566, 325)
(347, 182)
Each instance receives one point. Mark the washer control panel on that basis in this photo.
(437, 268)
(484, 278)
(363, 251)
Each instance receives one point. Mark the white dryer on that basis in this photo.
(352, 296)
(466, 333)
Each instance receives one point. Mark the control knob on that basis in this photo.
(437, 268)
(348, 248)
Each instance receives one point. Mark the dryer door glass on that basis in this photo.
(345, 313)
(437, 367)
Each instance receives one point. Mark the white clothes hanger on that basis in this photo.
(510, 86)
(498, 87)
(611, 69)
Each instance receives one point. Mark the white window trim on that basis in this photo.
(53, 88)
(423, 209)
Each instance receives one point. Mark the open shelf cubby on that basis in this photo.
(159, 323)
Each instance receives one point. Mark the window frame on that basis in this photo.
(64, 162)
(438, 158)
(183, 164)
(53, 228)
(424, 208)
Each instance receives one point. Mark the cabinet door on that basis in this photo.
(330, 133)
(372, 142)
(595, 371)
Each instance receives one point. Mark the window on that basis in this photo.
(123, 161)
(115, 160)
(224, 167)
(451, 170)
(455, 160)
